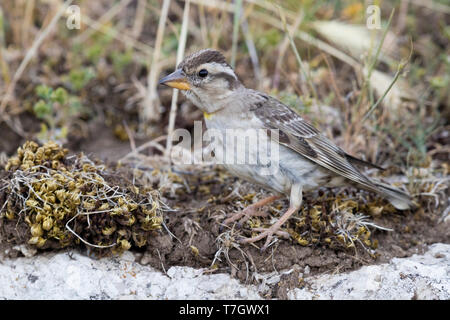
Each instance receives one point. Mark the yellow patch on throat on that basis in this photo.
(207, 115)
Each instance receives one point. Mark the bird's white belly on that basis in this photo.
(273, 167)
(292, 169)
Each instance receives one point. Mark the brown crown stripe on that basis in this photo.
(205, 56)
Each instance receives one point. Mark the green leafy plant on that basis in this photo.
(57, 108)
(80, 77)
(121, 60)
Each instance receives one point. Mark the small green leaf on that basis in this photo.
(60, 95)
(94, 53)
(43, 91)
(42, 109)
(64, 132)
(121, 60)
(439, 82)
(79, 78)
(75, 106)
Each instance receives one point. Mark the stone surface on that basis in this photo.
(71, 275)
(418, 277)
(75, 276)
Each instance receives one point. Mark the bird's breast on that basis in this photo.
(244, 148)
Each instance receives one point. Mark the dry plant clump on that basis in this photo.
(330, 220)
(51, 200)
(341, 219)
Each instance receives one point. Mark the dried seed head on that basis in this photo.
(47, 224)
(36, 230)
(54, 191)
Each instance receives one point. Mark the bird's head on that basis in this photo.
(205, 78)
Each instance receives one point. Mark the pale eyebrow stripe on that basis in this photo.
(217, 68)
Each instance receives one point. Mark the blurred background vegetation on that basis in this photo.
(94, 89)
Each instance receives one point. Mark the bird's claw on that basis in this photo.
(244, 215)
(268, 234)
(251, 211)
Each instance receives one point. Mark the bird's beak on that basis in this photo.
(176, 80)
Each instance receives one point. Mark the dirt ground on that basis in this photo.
(412, 232)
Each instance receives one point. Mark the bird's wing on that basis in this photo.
(297, 134)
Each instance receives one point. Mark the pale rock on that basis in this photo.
(424, 276)
(71, 275)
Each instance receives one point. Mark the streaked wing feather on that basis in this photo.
(300, 136)
(364, 163)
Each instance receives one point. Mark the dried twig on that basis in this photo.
(180, 54)
(237, 18)
(139, 19)
(283, 47)
(297, 55)
(251, 51)
(97, 25)
(151, 107)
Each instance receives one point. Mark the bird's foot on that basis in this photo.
(244, 215)
(268, 234)
(275, 229)
(251, 211)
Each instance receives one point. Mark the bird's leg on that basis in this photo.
(251, 210)
(295, 203)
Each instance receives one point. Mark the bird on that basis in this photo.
(307, 159)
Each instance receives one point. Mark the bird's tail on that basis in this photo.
(399, 199)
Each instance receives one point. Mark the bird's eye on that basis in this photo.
(203, 73)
